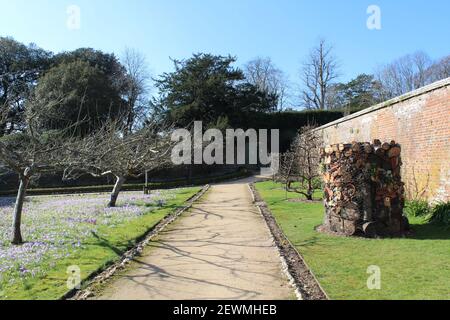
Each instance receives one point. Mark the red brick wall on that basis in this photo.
(420, 122)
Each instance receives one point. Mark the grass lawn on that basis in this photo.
(411, 268)
(76, 230)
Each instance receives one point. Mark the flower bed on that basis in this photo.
(54, 227)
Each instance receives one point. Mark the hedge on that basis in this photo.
(243, 173)
(290, 122)
(293, 119)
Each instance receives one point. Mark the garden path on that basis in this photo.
(220, 249)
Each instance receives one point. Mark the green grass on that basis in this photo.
(411, 268)
(99, 251)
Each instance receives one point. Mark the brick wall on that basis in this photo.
(420, 122)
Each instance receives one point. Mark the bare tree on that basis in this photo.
(405, 74)
(263, 73)
(300, 165)
(137, 86)
(287, 169)
(440, 69)
(28, 153)
(318, 74)
(109, 152)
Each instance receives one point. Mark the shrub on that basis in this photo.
(417, 208)
(440, 214)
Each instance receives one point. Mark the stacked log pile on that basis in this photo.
(364, 194)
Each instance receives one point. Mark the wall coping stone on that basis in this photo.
(431, 87)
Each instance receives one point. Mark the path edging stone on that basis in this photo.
(306, 285)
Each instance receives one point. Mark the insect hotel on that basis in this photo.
(364, 193)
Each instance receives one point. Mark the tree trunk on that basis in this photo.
(17, 234)
(115, 193)
(147, 186)
(310, 191)
(309, 194)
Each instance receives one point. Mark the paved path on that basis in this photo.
(221, 249)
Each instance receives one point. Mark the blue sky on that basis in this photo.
(284, 30)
